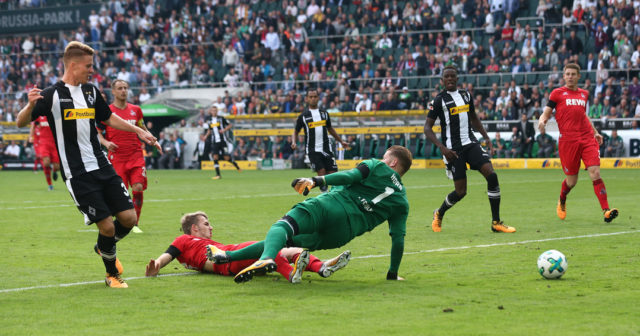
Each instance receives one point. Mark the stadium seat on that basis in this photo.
(369, 144)
(531, 79)
(519, 78)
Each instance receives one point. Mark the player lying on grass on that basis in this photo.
(190, 250)
(367, 196)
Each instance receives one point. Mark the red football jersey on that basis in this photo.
(193, 252)
(128, 142)
(571, 112)
(42, 131)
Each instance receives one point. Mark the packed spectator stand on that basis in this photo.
(366, 55)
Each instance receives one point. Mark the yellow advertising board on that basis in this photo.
(341, 131)
(620, 163)
(508, 163)
(544, 164)
(15, 136)
(224, 165)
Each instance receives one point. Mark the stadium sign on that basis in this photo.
(45, 19)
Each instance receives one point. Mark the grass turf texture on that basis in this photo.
(455, 291)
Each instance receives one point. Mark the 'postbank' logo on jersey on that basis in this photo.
(212, 125)
(459, 109)
(318, 123)
(74, 114)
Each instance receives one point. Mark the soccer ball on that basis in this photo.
(552, 264)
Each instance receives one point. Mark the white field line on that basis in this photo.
(595, 235)
(68, 203)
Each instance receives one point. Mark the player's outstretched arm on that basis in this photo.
(397, 231)
(154, 266)
(304, 184)
(477, 124)
(116, 122)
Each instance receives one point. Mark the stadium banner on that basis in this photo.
(45, 19)
(160, 110)
(15, 136)
(274, 164)
(341, 131)
(508, 163)
(544, 163)
(224, 165)
(620, 163)
(349, 114)
(417, 164)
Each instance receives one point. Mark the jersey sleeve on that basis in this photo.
(299, 124)
(397, 231)
(472, 107)
(436, 112)
(139, 116)
(553, 99)
(178, 243)
(103, 112)
(328, 120)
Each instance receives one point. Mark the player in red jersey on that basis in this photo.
(125, 149)
(45, 148)
(190, 250)
(579, 140)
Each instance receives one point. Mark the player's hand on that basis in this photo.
(145, 136)
(303, 185)
(112, 147)
(489, 146)
(293, 145)
(153, 268)
(541, 126)
(34, 95)
(599, 138)
(345, 145)
(449, 154)
(158, 147)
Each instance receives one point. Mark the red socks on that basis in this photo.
(601, 193)
(283, 265)
(47, 173)
(564, 191)
(314, 264)
(137, 202)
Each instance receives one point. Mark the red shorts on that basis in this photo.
(132, 171)
(571, 152)
(47, 149)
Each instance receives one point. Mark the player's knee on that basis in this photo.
(127, 218)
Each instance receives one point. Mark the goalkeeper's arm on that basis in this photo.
(304, 185)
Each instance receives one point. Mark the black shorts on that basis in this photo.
(474, 155)
(324, 161)
(219, 148)
(99, 194)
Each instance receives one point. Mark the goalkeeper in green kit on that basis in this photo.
(361, 199)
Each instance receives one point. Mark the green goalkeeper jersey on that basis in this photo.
(364, 202)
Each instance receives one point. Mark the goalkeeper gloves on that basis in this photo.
(304, 184)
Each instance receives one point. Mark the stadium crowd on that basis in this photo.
(362, 55)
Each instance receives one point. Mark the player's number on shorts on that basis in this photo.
(387, 191)
(126, 192)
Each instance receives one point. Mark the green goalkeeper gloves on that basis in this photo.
(304, 184)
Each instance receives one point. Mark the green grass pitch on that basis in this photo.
(465, 280)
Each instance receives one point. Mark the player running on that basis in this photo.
(579, 140)
(125, 149)
(364, 198)
(45, 148)
(190, 250)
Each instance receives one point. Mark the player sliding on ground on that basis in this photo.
(362, 198)
(190, 249)
(579, 140)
